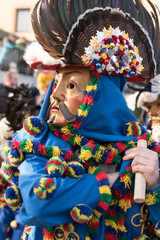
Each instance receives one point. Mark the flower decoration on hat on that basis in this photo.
(113, 52)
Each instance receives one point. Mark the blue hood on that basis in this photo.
(108, 114)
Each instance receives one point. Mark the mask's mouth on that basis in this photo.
(69, 117)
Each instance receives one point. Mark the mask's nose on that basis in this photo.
(59, 93)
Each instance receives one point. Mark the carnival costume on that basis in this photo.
(66, 194)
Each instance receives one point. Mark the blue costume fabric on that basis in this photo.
(104, 123)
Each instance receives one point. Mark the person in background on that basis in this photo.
(11, 79)
(9, 52)
(10, 82)
(21, 44)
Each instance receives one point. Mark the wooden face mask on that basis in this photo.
(70, 83)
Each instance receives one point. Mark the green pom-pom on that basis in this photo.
(33, 126)
(56, 166)
(44, 188)
(13, 197)
(81, 213)
(75, 169)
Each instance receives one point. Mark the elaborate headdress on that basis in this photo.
(66, 28)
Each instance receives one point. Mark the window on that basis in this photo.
(23, 20)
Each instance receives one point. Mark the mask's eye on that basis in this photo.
(55, 85)
(71, 86)
(148, 106)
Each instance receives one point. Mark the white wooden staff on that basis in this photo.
(140, 182)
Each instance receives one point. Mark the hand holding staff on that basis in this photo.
(140, 182)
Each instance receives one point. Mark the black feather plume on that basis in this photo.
(19, 106)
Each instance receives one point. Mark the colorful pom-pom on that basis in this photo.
(14, 224)
(16, 157)
(7, 169)
(13, 197)
(157, 229)
(132, 128)
(33, 126)
(56, 166)
(81, 213)
(75, 169)
(44, 188)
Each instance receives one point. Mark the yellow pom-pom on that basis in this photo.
(14, 224)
